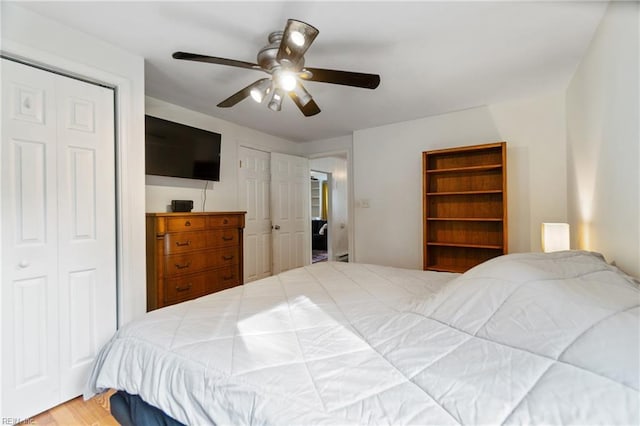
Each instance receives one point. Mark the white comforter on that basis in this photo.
(542, 339)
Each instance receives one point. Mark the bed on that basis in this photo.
(523, 338)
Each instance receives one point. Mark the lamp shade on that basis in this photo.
(555, 237)
(260, 90)
(275, 103)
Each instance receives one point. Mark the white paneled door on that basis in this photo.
(290, 205)
(58, 292)
(254, 180)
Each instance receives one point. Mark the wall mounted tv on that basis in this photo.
(176, 150)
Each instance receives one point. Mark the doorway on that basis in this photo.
(332, 170)
(320, 198)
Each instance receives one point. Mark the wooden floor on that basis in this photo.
(94, 412)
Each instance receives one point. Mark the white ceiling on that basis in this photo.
(433, 57)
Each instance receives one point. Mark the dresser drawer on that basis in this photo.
(227, 256)
(181, 242)
(184, 288)
(186, 263)
(222, 238)
(186, 223)
(223, 221)
(195, 261)
(226, 278)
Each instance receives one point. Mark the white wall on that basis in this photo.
(326, 146)
(339, 220)
(222, 195)
(39, 39)
(387, 165)
(535, 132)
(604, 143)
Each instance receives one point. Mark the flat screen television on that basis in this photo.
(177, 150)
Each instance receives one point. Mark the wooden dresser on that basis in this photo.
(192, 254)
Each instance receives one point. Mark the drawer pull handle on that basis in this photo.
(187, 223)
(185, 288)
(183, 266)
(230, 277)
(227, 238)
(225, 221)
(187, 243)
(227, 257)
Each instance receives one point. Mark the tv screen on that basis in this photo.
(176, 150)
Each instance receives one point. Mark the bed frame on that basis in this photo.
(131, 410)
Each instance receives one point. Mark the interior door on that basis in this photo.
(290, 215)
(58, 289)
(86, 227)
(30, 342)
(254, 186)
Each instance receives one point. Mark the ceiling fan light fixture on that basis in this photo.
(256, 95)
(297, 38)
(302, 95)
(283, 59)
(286, 80)
(260, 91)
(275, 103)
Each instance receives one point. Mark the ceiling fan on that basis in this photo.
(283, 59)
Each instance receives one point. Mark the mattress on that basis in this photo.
(524, 338)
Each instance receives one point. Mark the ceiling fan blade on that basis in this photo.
(346, 78)
(214, 60)
(296, 39)
(309, 109)
(240, 95)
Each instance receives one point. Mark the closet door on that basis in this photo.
(254, 178)
(86, 227)
(30, 339)
(58, 235)
(290, 211)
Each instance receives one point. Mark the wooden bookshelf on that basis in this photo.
(464, 206)
(316, 200)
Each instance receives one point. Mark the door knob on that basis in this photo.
(276, 227)
(23, 263)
